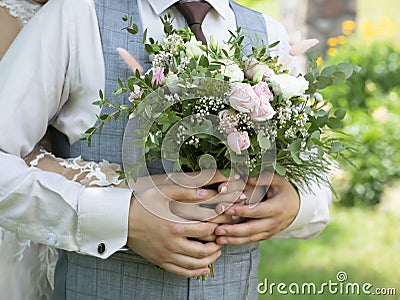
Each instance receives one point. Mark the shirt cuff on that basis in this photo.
(306, 225)
(103, 220)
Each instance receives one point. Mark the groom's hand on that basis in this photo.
(170, 241)
(172, 245)
(263, 218)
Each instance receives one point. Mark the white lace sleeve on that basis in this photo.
(21, 9)
(88, 173)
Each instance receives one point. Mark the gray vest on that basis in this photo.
(108, 144)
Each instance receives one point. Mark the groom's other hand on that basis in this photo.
(167, 240)
(267, 217)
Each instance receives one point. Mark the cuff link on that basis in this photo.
(101, 248)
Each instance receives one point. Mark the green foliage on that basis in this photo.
(372, 101)
(358, 241)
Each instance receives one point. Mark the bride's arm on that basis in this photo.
(76, 169)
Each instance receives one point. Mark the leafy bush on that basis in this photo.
(373, 105)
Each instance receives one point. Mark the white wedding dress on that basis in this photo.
(26, 268)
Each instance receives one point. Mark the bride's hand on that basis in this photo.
(265, 217)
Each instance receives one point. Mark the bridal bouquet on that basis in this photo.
(220, 106)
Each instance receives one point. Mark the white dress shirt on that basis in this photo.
(51, 75)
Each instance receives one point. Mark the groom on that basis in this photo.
(99, 221)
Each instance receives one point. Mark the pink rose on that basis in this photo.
(158, 76)
(242, 97)
(262, 90)
(238, 141)
(257, 71)
(228, 121)
(263, 111)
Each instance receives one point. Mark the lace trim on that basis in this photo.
(21, 9)
(99, 174)
(95, 174)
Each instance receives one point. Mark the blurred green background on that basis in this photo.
(363, 237)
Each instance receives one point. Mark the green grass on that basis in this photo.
(363, 243)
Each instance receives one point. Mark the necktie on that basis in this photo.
(194, 13)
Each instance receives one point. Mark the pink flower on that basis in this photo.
(158, 76)
(137, 92)
(263, 111)
(242, 97)
(257, 71)
(262, 90)
(238, 141)
(228, 121)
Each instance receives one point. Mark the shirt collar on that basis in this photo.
(159, 6)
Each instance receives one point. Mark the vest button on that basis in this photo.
(101, 248)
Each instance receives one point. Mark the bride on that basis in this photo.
(26, 267)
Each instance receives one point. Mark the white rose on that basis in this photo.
(193, 49)
(289, 86)
(232, 70)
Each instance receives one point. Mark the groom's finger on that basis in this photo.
(194, 260)
(184, 194)
(192, 212)
(232, 186)
(178, 270)
(198, 213)
(264, 209)
(199, 179)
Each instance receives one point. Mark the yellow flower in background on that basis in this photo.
(348, 27)
(332, 42)
(386, 28)
(320, 61)
(332, 51)
(341, 39)
(390, 26)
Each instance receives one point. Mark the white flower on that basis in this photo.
(193, 48)
(231, 70)
(289, 86)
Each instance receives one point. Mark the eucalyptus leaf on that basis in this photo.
(295, 146)
(281, 170)
(340, 113)
(346, 68)
(328, 71)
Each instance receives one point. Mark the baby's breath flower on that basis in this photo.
(162, 59)
(173, 44)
